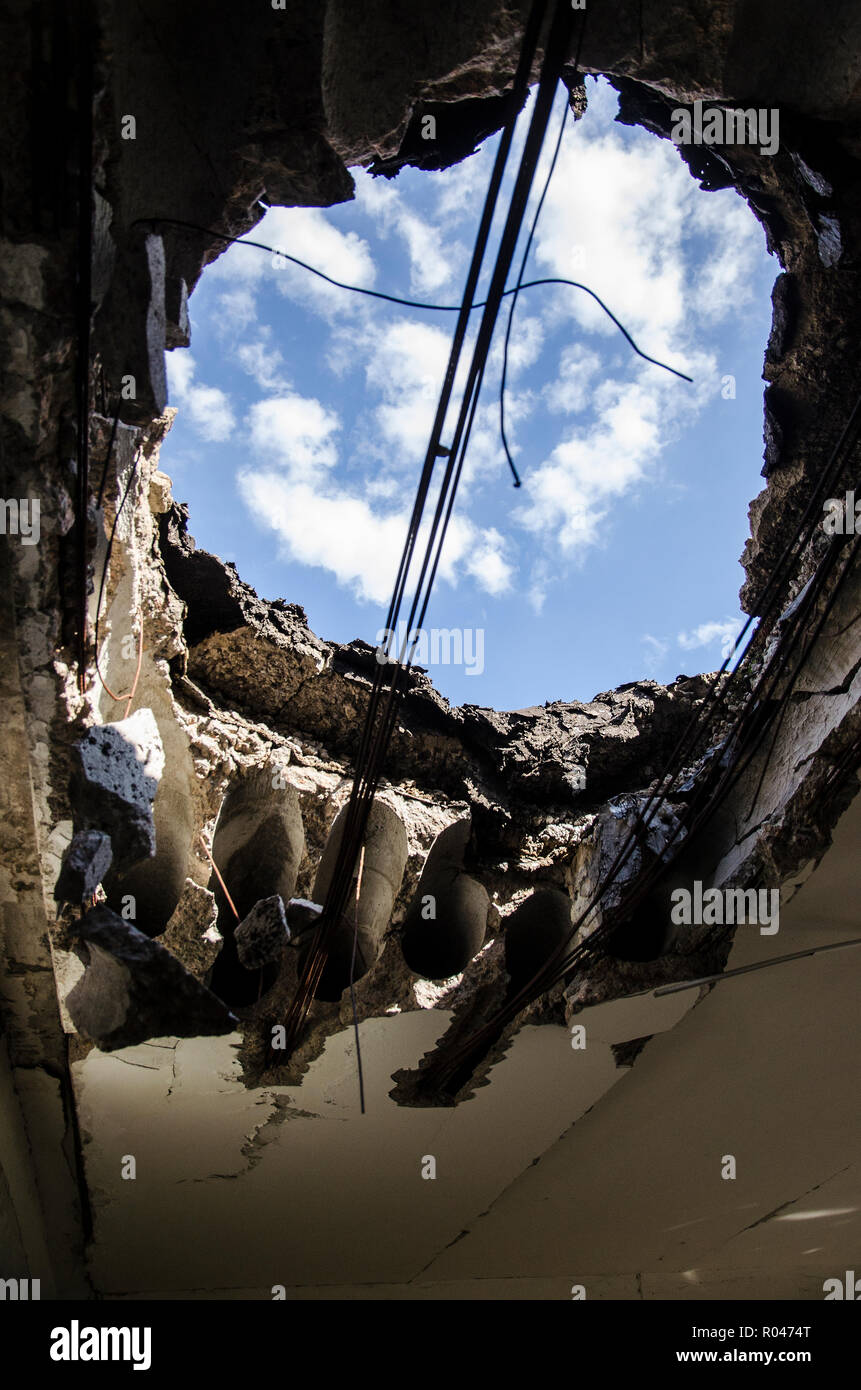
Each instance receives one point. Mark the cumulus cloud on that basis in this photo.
(345, 535)
(405, 369)
(358, 541)
(667, 266)
(623, 215)
(291, 487)
(432, 258)
(263, 362)
(487, 563)
(307, 234)
(207, 407)
(571, 492)
(297, 431)
(570, 391)
(712, 634)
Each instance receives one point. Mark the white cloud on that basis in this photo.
(656, 650)
(296, 432)
(525, 343)
(487, 563)
(711, 634)
(569, 493)
(570, 392)
(629, 240)
(292, 489)
(669, 260)
(207, 407)
(405, 366)
(432, 257)
(307, 234)
(342, 534)
(263, 362)
(180, 370)
(237, 308)
(661, 254)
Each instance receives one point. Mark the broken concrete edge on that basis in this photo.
(115, 777)
(261, 936)
(519, 724)
(86, 861)
(779, 348)
(134, 989)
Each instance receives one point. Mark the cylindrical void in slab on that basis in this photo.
(258, 846)
(259, 840)
(385, 860)
(447, 919)
(533, 931)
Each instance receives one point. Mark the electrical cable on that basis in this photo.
(410, 303)
(445, 503)
(542, 980)
(529, 240)
(458, 448)
(85, 96)
(517, 288)
(376, 737)
(352, 983)
(454, 1067)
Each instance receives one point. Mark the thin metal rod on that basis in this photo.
(746, 969)
(217, 873)
(352, 980)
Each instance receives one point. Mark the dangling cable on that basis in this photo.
(519, 286)
(377, 732)
(352, 979)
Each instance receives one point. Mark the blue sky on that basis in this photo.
(304, 413)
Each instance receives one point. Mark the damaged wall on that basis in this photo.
(240, 686)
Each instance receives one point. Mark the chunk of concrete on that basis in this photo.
(85, 864)
(115, 777)
(133, 989)
(191, 934)
(302, 916)
(261, 936)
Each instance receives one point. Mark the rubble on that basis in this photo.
(191, 934)
(115, 778)
(133, 989)
(85, 864)
(261, 936)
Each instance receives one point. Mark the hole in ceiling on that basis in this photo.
(304, 413)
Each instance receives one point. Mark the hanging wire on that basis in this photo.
(519, 286)
(451, 1066)
(377, 731)
(352, 981)
(398, 299)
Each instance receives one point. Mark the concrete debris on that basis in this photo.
(301, 916)
(85, 864)
(191, 934)
(260, 937)
(116, 775)
(133, 989)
